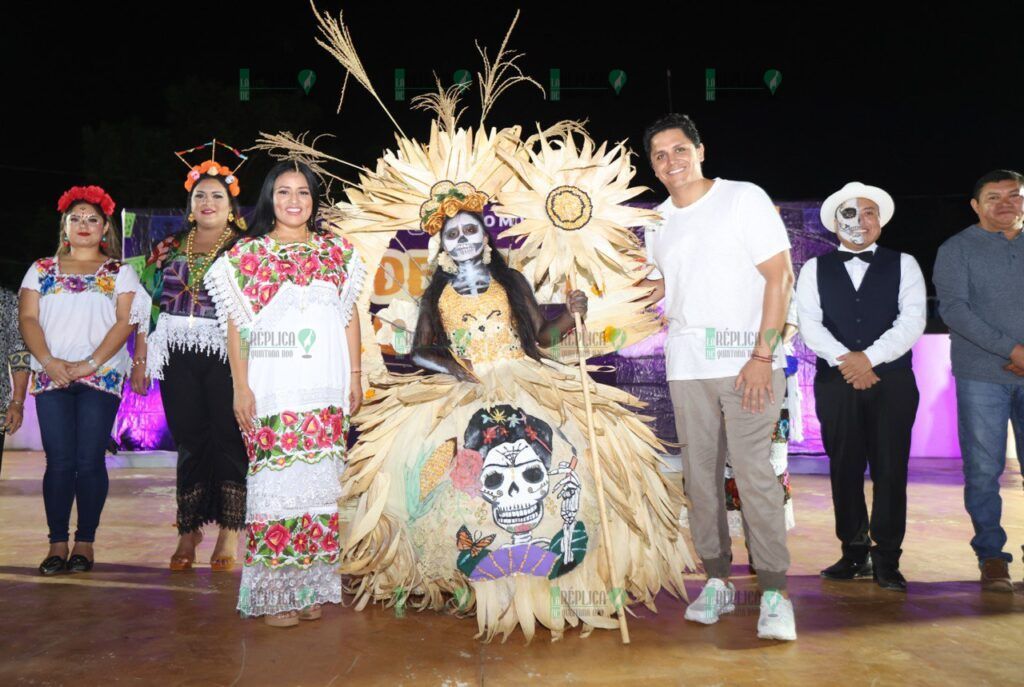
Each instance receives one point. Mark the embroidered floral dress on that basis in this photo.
(291, 304)
(174, 319)
(76, 311)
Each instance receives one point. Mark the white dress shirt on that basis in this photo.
(896, 341)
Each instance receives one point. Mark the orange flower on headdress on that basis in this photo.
(448, 199)
(213, 169)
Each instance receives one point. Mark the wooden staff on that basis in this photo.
(606, 536)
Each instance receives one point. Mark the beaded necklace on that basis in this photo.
(195, 272)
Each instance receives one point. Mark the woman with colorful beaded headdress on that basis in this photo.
(74, 314)
(285, 295)
(180, 343)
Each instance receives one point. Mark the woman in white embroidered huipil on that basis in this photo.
(180, 343)
(73, 311)
(286, 295)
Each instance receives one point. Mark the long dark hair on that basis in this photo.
(262, 222)
(519, 299)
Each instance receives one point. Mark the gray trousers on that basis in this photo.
(708, 415)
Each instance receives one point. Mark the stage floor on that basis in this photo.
(131, 621)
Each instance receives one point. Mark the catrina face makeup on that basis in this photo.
(858, 224)
(463, 237)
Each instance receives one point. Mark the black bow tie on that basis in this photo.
(866, 256)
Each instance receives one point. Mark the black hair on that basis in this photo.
(519, 300)
(528, 428)
(236, 208)
(262, 222)
(994, 176)
(671, 121)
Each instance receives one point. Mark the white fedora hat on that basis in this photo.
(855, 189)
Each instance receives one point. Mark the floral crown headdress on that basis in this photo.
(448, 199)
(90, 194)
(211, 167)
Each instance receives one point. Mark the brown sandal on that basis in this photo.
(181, 562)
(222, 564)
(286, 619)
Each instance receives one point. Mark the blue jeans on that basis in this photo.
(75, 424)
(984, 409)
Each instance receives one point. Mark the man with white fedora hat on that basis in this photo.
(861, 309)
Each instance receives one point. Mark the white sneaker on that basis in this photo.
(717, 597)
(776, 620)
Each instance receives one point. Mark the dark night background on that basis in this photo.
(921, 104)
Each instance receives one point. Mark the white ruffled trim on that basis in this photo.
(226, 296)
(265, 591)
(176, 333)
(142, 308)
(300, 488)
(353, 287)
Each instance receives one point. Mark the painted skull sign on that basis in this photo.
(515, 481)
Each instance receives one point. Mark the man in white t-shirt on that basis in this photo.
(721, 261)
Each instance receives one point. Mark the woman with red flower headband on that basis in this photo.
(180, 343)
(74, 313)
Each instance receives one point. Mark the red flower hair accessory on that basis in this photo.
(90, 194)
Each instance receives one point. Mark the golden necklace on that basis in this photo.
(194, 281)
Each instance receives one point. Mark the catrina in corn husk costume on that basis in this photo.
(471, 485)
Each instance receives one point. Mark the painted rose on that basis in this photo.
(316, 531)
(466, 473)
(289, 440)
(332, 524)
(307, 522)
(289, 419)
(301, 543)
(286, 267)
(311, 426)
(336, 255)
(266, 438)
(264, 273)
(330, 543)
(308, 443)
(310, 265)
(277, 537)
(266, 292)
(248, 264)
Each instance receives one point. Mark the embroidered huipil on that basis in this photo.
(168, 313)
(291, 304)
(75, 312)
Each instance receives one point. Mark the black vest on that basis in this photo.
(857, 317)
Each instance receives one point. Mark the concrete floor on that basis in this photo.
(131, 621)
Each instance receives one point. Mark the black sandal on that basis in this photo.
(53, 565)
(79, 563)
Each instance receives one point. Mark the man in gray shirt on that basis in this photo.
(979, 279)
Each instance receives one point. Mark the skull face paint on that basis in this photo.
(848, 222)
(514, 480)
(463, 237)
